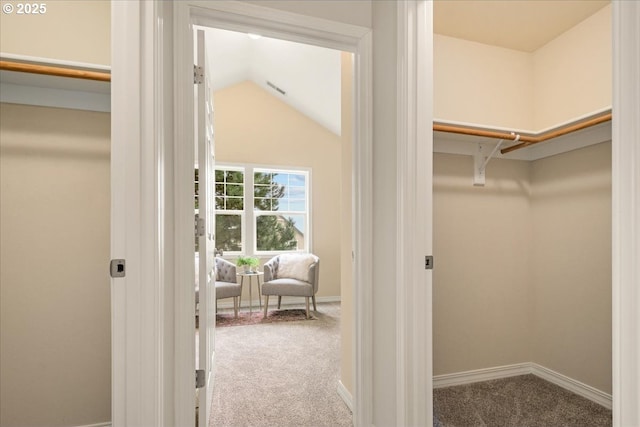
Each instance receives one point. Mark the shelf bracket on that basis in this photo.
(480, 161)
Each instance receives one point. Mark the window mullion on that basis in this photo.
(249, 208)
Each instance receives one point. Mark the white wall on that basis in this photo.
(355, 12)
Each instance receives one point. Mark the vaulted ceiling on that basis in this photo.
(305, 77)
(308, 77)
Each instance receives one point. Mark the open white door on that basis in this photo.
(206, 228)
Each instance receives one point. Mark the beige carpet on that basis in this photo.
(280, 373)
(520, 401)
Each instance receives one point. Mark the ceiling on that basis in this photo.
(309, 76)
(524, 25)
(305, 77)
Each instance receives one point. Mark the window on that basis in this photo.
(280, 201)
(267, 207)
(229, 209)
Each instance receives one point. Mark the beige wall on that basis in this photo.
(573, 72)
(253, 126)
(571, 258)
(70, 30)
(54, 246)
(491, 86)
(478, 83)
(481, 292)
(524, 265)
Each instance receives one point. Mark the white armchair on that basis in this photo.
(291, 275)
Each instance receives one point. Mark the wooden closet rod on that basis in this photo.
(438, 127)
(554, 133)
(54, 71)
(525, 140)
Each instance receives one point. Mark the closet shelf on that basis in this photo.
(54, 83)
(528, 139)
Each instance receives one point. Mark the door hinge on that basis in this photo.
(199, 226)
(428, 262)
(198, 74)
(117, 268)
(200, 378)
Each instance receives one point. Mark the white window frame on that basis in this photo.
(250, 214)
(241, 213)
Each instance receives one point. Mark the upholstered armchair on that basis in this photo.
(291, 275)
(227, 285)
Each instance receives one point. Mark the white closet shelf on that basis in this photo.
(54, 83)
(456, 138)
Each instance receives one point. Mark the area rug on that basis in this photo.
(227, 319)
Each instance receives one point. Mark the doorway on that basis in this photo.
(356, 41)
(278, 110)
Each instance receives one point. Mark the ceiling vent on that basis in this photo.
(276, 88)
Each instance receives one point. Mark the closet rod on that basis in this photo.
(526, 140)
(602, 118)
(438, 127)
(54, 71)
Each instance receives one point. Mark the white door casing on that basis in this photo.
(626, 213)
(152, 311)
(414, 369)
(237, 16)
(141, 384)
(206, 223)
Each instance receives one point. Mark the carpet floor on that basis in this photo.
(521, 401)
(245, 318)
(280, 373)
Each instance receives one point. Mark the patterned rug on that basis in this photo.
(227, 319)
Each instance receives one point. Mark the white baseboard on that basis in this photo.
(547, 374)
(575, 386)
(345, 395)
(468, 377)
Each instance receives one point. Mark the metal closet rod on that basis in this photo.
(54, 71)
(525, 140)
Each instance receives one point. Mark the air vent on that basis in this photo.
(276, 88)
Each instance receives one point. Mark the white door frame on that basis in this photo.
(152, 343)
(146, 386)
(250, 18)
(626, 213)
(414, 370)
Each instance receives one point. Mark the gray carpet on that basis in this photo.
(280, 374)
(521, 401)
